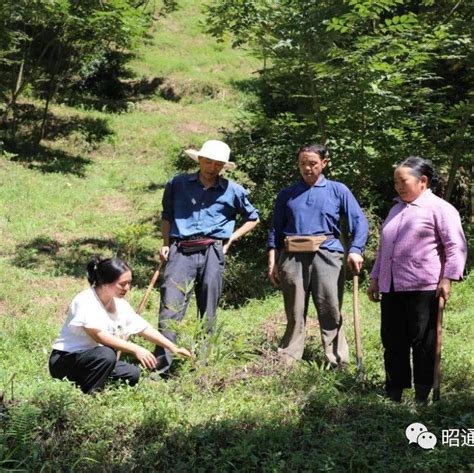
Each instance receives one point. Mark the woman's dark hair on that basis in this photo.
(421, 167)
(321, 150)
(105, 270)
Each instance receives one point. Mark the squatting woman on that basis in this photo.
(98, 323)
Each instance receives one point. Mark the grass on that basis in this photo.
(96, 186)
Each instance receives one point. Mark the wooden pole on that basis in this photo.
(439, 342)
(149, 289)
(355, 310)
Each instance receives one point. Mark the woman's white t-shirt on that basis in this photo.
(86, 310)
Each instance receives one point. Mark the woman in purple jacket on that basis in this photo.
(422, 249)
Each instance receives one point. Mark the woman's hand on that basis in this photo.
(373, 291)
(444, 288)
(145, 357)
(183, 352)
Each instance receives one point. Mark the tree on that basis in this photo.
(45, 44)
(376, 80)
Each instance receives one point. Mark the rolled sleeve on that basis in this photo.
(134, 323)
(245, 208)
(81, 316)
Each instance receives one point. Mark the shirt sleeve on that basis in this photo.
(245, 208)
(275, 235)
(167, 202)
(85, 311)
(134, 323)
(449, 228)
(358, 224)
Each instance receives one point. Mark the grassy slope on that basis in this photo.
(241, 411)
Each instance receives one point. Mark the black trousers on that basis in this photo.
(409, 324)
(91, 369)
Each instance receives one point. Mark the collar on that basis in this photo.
(418, 201)
(195, 178)
(322, 182)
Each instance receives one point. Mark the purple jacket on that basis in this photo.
(421, 243)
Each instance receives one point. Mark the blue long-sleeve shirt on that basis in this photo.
(316, 210)
(193, 210)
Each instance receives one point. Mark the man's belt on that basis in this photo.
(194, 245)
(305, 243)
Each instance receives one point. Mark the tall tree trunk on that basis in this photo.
(40, 134)
(11, 105)
(54, 59)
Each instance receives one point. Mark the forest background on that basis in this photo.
(98, 100)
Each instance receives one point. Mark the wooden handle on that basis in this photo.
(149, 289)
(439, 343)
(145, 297)
(355, 306)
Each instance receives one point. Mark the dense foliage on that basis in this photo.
(375, 80)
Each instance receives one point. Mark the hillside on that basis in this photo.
(95, 186)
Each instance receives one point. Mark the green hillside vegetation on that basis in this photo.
(94, 185)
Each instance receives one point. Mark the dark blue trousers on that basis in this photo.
(91, 369)
(201, 271)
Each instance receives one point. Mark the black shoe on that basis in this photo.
(395, 394)
(422, 393)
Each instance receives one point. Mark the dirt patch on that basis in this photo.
(274, 327)
(55, 294)
(267, 364)
(149, 106)
(195, 127)
(114, 204)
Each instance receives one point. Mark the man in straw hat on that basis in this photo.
(198, 227)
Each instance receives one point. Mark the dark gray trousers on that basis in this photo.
(91, 369)
(319, 275)
(201, 271)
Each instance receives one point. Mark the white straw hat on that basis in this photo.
(215, 150)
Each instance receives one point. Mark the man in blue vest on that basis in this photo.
(306, 256)
(198, 228)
